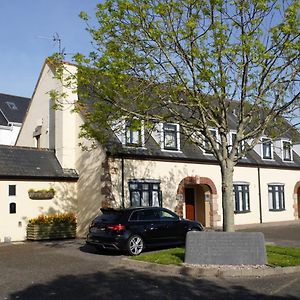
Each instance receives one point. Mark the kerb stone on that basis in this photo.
(225, 248)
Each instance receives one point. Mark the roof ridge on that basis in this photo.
(16, 96)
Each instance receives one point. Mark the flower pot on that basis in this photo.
(51, 231)
(41, 195)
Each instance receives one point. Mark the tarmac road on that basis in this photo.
(283, 233)
(72, 270)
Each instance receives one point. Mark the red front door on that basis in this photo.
(190, 203)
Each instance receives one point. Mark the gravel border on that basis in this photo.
(210, 270)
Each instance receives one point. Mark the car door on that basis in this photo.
(150, 225)
(174, 228)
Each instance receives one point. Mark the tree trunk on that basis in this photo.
(227, 169)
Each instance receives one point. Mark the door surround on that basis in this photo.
(195, 181)
(296, 205)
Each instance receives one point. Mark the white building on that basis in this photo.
(158, 170)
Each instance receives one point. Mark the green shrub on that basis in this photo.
(66, 218)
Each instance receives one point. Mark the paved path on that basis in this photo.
(72, 270)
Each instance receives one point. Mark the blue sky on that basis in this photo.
(26, 31)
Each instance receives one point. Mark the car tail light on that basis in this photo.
(116, 227)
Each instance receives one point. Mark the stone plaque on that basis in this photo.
(225, 248)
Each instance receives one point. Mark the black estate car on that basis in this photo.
(133, 229)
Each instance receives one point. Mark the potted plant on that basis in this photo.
(41, 194)
(56, 226)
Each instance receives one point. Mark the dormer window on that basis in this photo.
(267, 148)
(134, 133)
(133, 137)
(170, 136)
(207, 146)
(286, 151)
(242, 143)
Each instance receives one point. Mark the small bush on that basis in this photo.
(67, 218)
(51, 190)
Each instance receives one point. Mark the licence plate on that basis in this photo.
(97, 230)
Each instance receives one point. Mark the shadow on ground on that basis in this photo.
(132, 284)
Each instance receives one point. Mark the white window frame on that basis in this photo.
(283, 151)
(162, 137)
(205, 142)
(271, 149)
(141, 136)
(121, 128)
(232, 141)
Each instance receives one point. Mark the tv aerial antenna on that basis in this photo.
(57, 40)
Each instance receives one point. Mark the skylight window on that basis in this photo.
(12, 105)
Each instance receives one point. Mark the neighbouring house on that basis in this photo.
(12, 113)
(160, 168)
(24, 172)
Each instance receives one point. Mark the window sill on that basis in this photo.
(134, 146)
(282, 209)
(242, 212)
(171, 150)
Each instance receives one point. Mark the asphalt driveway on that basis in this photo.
(282, 234)
(72, 270)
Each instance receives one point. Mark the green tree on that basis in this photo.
(193, 62)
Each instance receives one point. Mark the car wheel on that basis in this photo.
(135, 245)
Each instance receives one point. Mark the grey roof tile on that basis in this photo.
(13, 108)
(21, 162)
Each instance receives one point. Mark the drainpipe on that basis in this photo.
(259, 194)
(122, 174)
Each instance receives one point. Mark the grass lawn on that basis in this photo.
(277, 256)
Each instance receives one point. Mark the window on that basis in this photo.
(153, 215)
(170, 137)
(241, 146)
(207, 146)
(133, 137)
(145, 193)
(241, 198)
(287, 151)
(12, 190)
(145, 215)
(12, 105)
(12, 208)
(276, 197)
(267, 148)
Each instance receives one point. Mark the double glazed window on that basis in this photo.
(170, 137)
(241, 198)
(133, 136)
(241, 146)
(276, 197)
(267, 149)
(145, 193)
(207, 145)
(287, 151)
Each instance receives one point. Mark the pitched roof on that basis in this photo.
(192, 153)
(32, 163)
(12, 108)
